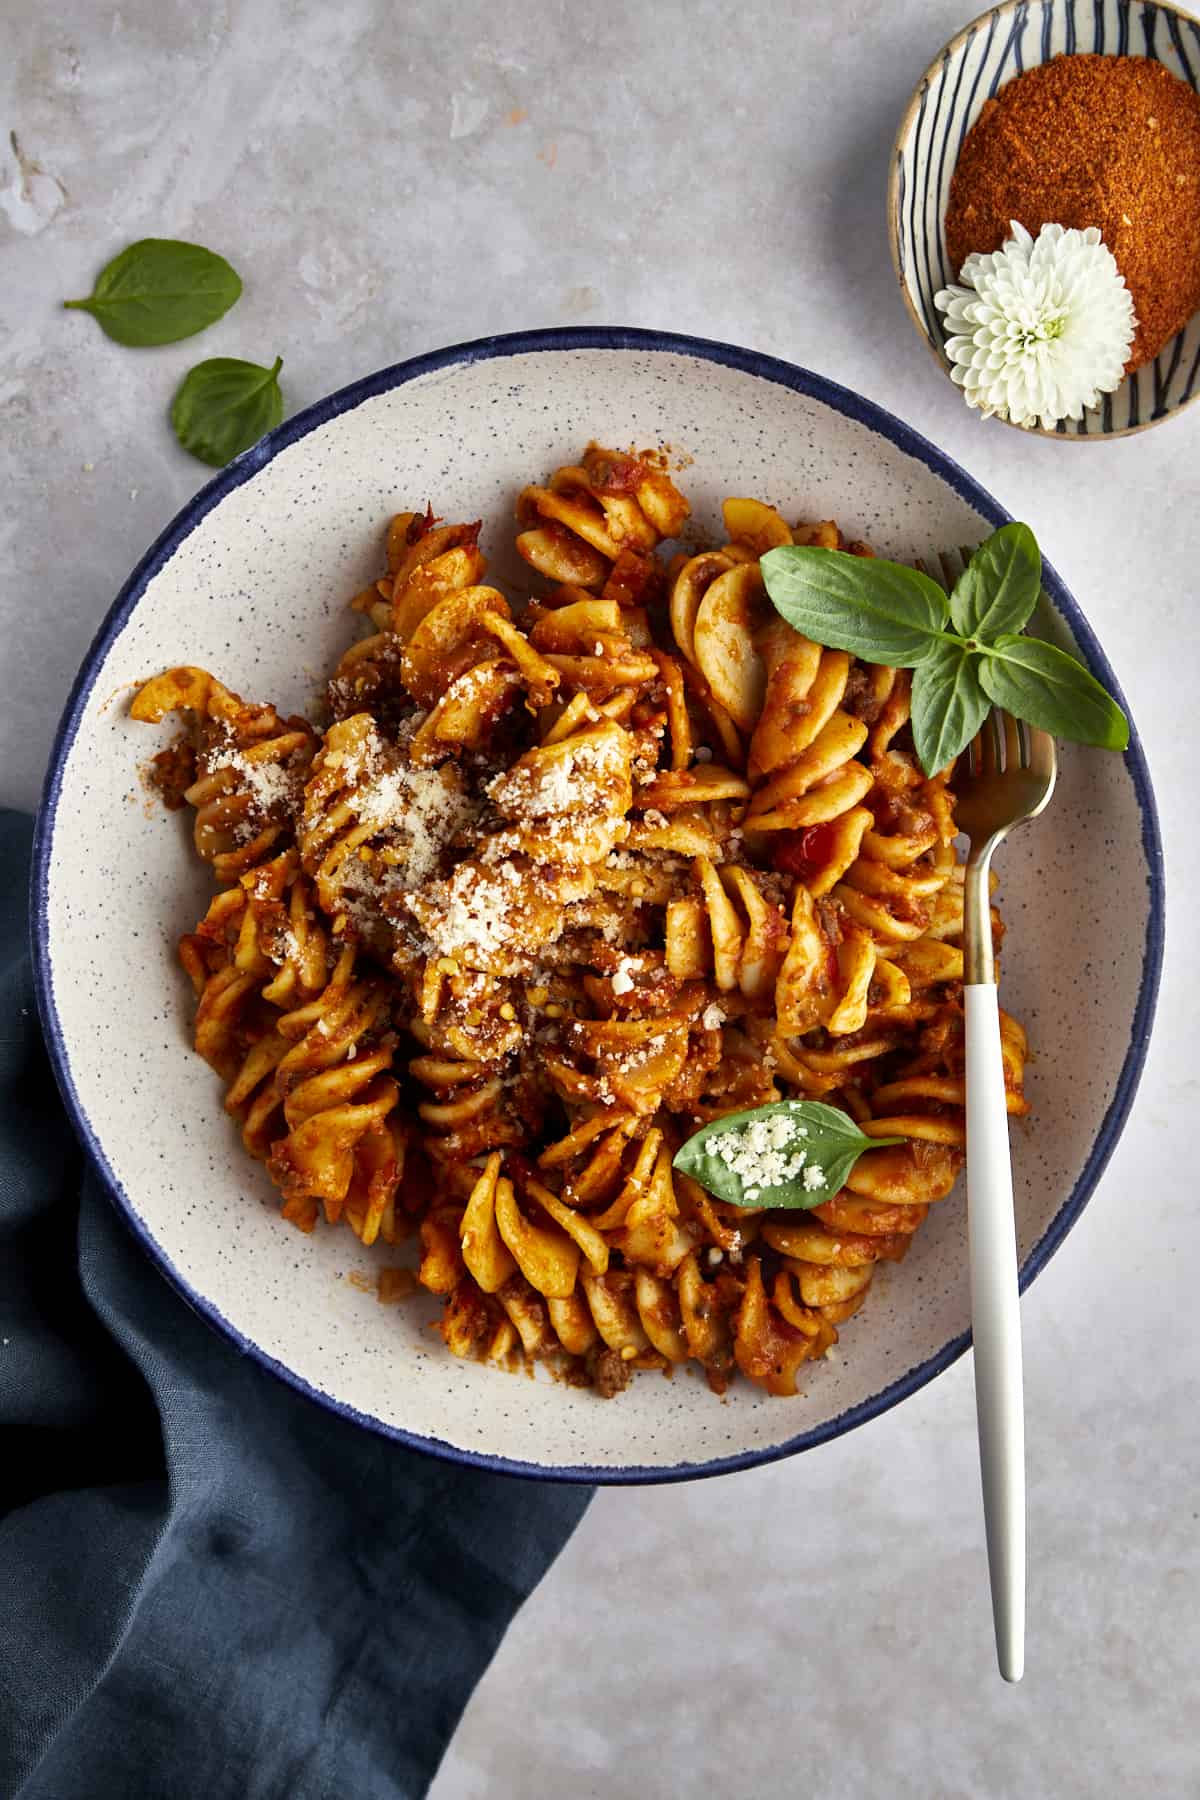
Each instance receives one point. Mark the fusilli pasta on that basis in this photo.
(551, 890)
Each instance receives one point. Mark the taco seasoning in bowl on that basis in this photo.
(1111, 142)
(1044, 214)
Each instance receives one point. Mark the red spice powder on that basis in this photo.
(1110, 141)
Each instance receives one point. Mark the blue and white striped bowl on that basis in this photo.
(999, 45)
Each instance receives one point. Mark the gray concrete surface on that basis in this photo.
(389, 179)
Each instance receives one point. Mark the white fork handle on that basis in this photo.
(996, 1325)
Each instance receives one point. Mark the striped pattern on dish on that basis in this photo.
(970, 70)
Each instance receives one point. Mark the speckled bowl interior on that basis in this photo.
(251, 581)
(974, 66)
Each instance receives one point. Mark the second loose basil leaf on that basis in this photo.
(881, 611)
(160, 290)
(1045, 686)
(998, 589)
(224, 406)
(949, 705)
(829, 1138)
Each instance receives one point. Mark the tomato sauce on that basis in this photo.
(803, 853)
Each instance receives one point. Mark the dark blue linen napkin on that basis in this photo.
(209, 1586)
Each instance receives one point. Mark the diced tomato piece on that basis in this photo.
(803, 853)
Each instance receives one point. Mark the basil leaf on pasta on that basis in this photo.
(1042, 684)
(998, 589)
(793, 1153)
(160, 290)
(948, 705)
(881, 611)
(223, 406)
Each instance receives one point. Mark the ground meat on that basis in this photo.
(172, 772)
(635, 579)
(940, 1040)
(858, 698)
(894, 812)
(607, 1371)
(829, 913)
(612, 471)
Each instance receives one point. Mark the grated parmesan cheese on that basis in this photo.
(761, 1155)
(468, 922)
(425, 806)
(622, 981)
(551, 784)
(269, 784)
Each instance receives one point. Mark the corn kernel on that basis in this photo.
(508, 1010)
(446, 965)
(537, 996)
(554, 1010)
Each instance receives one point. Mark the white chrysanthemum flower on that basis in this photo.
(1039, 329)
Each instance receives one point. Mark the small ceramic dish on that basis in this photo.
(951, 94)
(251, 580)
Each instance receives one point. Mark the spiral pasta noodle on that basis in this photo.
(554, 886)
(301, 1035)
(244, 771)
(595, 525)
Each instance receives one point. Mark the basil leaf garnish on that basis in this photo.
(881, 611)
(886, 613)
(948, 705)
(224, 406)
(159, 290)
(793, 1154)
(1042, 684)
(998, 589)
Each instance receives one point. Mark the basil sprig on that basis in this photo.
(965, 649)
(224, 405)
(160, 290)
(738, 1158)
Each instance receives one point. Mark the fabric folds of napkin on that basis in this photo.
(209, 1586)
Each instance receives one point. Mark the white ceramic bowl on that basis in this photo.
(992, 50)
(251, 581)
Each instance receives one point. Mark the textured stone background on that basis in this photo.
(392, 178)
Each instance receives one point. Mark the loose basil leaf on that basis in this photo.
(1042, 684)
(948, 705)
(159, 290)
(224, 406)
(878, 610)
(723, 1155)
(999, 587)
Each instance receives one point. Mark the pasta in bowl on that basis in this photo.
(588, 878)
(546, 885)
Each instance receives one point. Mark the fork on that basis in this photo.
(1007, 778)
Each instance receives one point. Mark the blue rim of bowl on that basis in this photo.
(766, 368)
